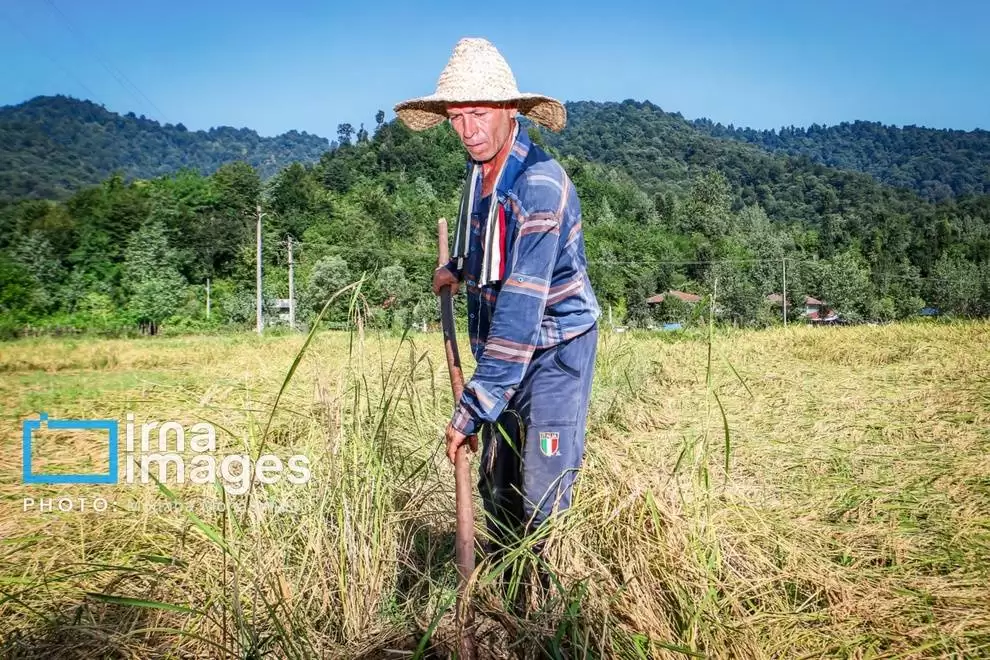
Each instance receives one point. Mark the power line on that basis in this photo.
(117, 74)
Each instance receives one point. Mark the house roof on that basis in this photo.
(680, 295)
(777, 299)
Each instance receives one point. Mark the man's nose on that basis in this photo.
(470, 126)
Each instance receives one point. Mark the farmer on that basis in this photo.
(532, 315)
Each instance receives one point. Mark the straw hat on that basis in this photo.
(477, 72)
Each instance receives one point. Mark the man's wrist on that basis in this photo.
(463, 421)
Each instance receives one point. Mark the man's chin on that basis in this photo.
(480, 156)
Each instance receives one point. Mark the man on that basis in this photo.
(532, 315)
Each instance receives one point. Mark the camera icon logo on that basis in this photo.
(30, 426)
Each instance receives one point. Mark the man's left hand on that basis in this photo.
(455, 439)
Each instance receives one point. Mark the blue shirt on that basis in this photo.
(545, 295)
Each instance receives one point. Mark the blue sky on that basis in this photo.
(307, 65)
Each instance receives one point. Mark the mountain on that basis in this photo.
(51, 146)
(665, 154)
(936, 164)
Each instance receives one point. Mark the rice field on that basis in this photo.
(798, 492)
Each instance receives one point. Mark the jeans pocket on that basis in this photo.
(563, 359)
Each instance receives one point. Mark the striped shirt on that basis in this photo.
(544, 296)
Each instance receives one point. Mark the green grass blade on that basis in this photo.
(140, 602)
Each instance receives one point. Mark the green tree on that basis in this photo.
(329, 275)
(395, 294)
(738, 298)
(843, 283)
(154, 284)
(708, 208)
(672, 310)
(230, 224)
(39, 259)
(955, 285)
(16, 299)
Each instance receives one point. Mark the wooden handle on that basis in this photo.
(443, 250)
(464, 538)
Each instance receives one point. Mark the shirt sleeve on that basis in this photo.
(452, 267)
(516, 322)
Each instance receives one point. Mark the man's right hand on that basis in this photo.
(443, 277)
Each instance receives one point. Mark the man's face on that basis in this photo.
(483, 128)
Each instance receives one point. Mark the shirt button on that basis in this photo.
(472, 315)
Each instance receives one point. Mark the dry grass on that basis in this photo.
(853, 521)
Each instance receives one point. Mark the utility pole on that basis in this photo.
(292, 291)
(207, 298)
(258, 279)
(783, 272)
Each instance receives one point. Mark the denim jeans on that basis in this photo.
(531, 457)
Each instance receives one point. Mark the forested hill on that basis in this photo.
(665, 155)
(935, 163)
(51, 146)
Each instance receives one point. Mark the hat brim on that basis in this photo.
(427, 111)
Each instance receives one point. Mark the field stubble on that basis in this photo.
(793, 492)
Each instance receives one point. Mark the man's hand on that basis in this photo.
(455, 439)
(443, 277)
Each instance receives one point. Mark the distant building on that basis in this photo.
(814, 309)
(683, 296)
(281, 306)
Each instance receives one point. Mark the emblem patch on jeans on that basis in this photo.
(549, 443)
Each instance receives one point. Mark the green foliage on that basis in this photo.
(937, 164)
(842, 282)
(154, 284)
(672, 310)
(16, 289)
(329, 275)
(51, 146)
(38, 257)
(956, 286)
